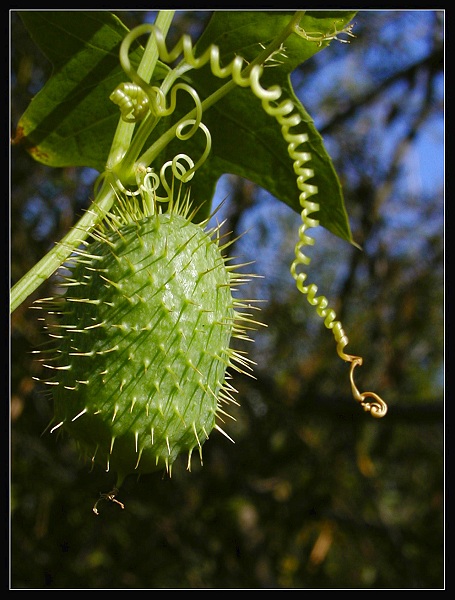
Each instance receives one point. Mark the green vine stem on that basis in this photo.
(104, 198)
(53, 259)
(124, 133)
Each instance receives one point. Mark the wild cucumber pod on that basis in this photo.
(143, 344)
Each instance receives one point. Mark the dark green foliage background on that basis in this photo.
(315, 494)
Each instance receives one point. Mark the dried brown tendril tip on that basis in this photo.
(110, 496)
(377, 408)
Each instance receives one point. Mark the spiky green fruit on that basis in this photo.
(143, 344)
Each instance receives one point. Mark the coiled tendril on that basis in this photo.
(288, 118)
(132, 101)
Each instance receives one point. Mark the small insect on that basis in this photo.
(132, 101)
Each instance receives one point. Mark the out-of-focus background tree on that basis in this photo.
(315, 494)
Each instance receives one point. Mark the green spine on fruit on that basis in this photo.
(142, 342)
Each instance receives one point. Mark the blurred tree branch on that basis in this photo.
(433, 63)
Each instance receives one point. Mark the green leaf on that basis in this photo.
(71, 121)
(245, 33)
(246, 140)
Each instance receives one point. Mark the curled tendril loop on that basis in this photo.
(132, 101)
(178, 173)
(377, 408)
(184, 47)
(189, 174)
(159, 108)
(148, 182)
(182, 169)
